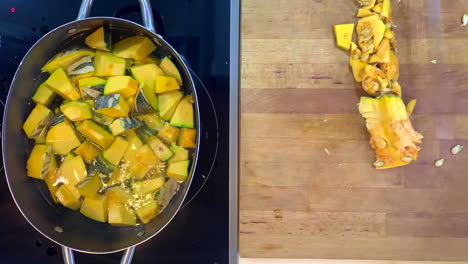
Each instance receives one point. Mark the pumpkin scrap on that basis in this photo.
(392, 135)
(367, 4)
(344, 35)
(370, 32)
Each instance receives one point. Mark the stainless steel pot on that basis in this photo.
(31, 196)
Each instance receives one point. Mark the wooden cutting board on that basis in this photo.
(308, 188)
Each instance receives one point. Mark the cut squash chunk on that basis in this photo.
(160, 149)
(121, 215)
(183, 115)
(146, 156)
(139, 169)
(344, 35)
(180, 154)
(170, 69)
(91, 87)
(37, 120)
(65, 58)
(123, 125)
(112, 105)
(87, 151)
(148, 60)
(148, 186)
(62, 137)
(90, 186)
(76, 111)
(99, 39)
(58, 81)
(102, 166)
(72, 171)
(145, 101)
(117, 194)
(168, 133)
(50, 178)
(135, 47)
(178, 170)
(166, 84)
(81, 68)
(120, 175)
(123, 85)
(167, 103)
(43, 95)
(147, 210)
(392, 135)
(95, 208)
(106, 64)
(115, 152)
(102, 119)
(39, 161)
(187, 137)
(68, 196)
(363, 12)
(146, 73)
(152, 120)
(96, 134)
(134, 143)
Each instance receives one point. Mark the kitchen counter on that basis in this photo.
(307, 185)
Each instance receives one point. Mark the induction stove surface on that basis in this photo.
(200, 231)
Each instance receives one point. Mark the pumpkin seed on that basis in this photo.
(439, 162)
(366, 31)
(407, 159)
(58, 229)
(456, 149)
(379, 163)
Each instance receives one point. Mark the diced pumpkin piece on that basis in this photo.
(180, 154)
(101, 118)
(167, 192)
(159, 148)
(146, 156)
(99, 39)
(183, 115)
(146, 73)
(95, 208)
(101, 165)
(43, 95)
(147, 211)
(130, 102)
(148, 60)
(83, 67)
(115, 152)
(383, 53)
(363, 12)
(167, 103)
(152, 120)
(139, 169)
(166, 84)
(112, 105)
(169, 133)
(178, 170)
(145, 100)
(187, 137)
(62, 137)
(91, 87)
(76, 111)
(106, 64)
(123, 125)
(344, 35)
(144, 132)
(96, 134)
(135, 47)
(41, 139)
(38, 162)
(121, 215)
(120, 175)
(90, 186)
(134, 143)
(87, 151)
(148, 186)
(370, 31)
(68, 196)
(72, 171)
(392, 135)
(386, 13)
(37, 120)
(51, 177)
(123, 85)
(410, 106)
(170, 69)
(65, 58)
(118, 194)
(58, 81)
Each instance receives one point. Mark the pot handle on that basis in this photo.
(68, 257)
(146, 13)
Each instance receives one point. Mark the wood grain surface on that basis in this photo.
(308, 188)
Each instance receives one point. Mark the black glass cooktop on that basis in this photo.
(200, 31)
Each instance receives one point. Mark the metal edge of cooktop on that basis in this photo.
(234, 54)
